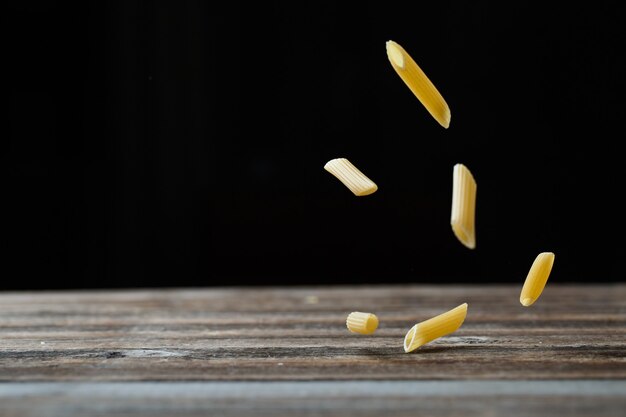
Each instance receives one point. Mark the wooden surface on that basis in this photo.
(286, 351)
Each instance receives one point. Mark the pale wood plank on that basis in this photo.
(318, 398)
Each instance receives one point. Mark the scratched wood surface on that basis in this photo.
(200, 341)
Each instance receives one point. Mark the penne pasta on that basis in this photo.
(536, 278)
(434, 328)
(351, 177)
(418, 83)
(363, 323)
(463, 214)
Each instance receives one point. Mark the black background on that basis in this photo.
(175, 143)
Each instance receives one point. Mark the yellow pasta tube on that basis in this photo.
(434, 328)
(536, 278)
(350, 176)
(418, 83)
(364, 323)
(463, 214)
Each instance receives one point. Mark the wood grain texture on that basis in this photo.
(281, 333)
(598, 398)
(574, 334)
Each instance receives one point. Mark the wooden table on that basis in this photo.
(286, 351)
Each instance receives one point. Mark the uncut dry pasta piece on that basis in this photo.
(463, 216)
(434, 328)
(418, 83)
(536, 278)
(363, 323)
(351, 177)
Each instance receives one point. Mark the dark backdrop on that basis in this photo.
(171, 143)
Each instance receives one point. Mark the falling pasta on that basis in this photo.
(351, 177)
(434, 328)
(418, 83)
(363, 323)
(536, 278)
(463, 214)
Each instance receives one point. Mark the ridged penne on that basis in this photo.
(536, 278)
(418, 83)
(351, 177)
(434, 328)
(462, 218)
(363, 323)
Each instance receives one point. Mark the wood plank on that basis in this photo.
(299, 333)
(597, 398)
